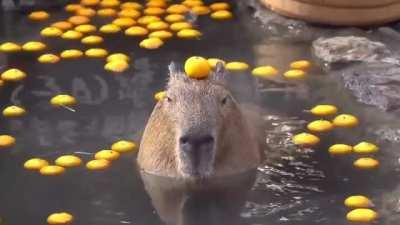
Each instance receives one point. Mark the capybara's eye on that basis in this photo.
(225, 100)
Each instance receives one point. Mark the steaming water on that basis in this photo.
(302, 186)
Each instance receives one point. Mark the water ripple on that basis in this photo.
(253, 209)
(289, 179)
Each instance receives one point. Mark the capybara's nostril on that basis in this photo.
(190, 143)
(184, 139)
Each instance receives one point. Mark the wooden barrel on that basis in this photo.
(338, 12)
(350, 3)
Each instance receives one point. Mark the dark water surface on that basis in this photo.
(302, 187)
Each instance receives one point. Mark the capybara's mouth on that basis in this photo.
(197, 164)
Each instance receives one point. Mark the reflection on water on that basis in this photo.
(295, 186)
(209, 202)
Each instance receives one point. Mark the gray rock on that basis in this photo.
(388, 134)
(388, 33)
(375, 79)
(374, 83)
(352, 49)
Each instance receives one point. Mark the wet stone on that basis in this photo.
(376, 84)
(388, 134)
(389, 36)
(346, 49)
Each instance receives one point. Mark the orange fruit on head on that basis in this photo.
(197, 67)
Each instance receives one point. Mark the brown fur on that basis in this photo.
(156, 154)
(238, 145)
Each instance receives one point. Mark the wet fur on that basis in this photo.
(238, 146)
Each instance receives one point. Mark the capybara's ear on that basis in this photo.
(219, 72)
(175, 74)
(172, 69)
(172, 74)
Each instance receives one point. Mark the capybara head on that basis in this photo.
(194, 126)
(198, 109)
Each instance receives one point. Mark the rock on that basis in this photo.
(388, 33)
(388, 134)
(375, 83)
(352, 49)
(375, 78)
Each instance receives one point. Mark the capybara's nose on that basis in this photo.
(192, 142)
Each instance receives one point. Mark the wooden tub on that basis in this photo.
(338, 12)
